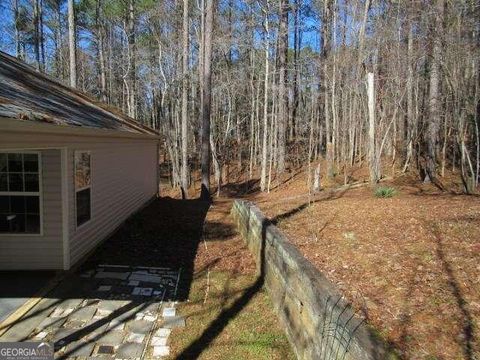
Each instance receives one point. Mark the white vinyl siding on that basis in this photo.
(34, 251)
(123, 179)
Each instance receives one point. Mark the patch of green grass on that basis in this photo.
(385, 192)
(250, 331)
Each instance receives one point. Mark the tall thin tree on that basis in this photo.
(72, 43)
(207, 101)
(184, 171)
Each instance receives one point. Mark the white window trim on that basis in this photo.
(75, 190)
(20, 193)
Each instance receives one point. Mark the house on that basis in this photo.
(71, 170)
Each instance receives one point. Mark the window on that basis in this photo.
(20, 193)
(82, 186)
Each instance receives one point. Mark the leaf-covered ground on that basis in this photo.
(410, 263)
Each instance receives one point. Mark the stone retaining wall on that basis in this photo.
(319, 323)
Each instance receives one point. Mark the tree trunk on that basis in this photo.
(263, 176)
(132, 72)
(372, 153)
(72, 44)
(433, 125)
(185, 170)
(36, 32)
(282, 97)
(207, 102)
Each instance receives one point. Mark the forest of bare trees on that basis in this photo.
(272, 85)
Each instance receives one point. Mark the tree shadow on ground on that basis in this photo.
(240, 189)
(195, 349)
(468, 340)
(331, 195)
(165, 234)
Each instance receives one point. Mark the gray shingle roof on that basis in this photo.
(26, 94)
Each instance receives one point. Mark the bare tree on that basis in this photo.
(72, 43)
(433, 125)
(185, 101)
(207, 100)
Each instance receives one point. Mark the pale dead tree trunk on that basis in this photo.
(282, 97)
(252, 107)
(185, 169)
(207, 101)
(433, 125)
(372, 153)
(132, 71)
(263, 175)
(72, 44)
(410, 110)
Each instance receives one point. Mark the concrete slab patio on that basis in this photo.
(17, 287)
(121, 303)
(100, 313)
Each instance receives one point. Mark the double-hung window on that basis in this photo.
(83, 183)
(20, 194)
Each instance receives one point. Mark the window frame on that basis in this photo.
(75, 190)
(28, 193)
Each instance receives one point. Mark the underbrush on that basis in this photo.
(385, 192)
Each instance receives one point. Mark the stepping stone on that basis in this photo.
(163, 332)
(116, 326)
(133, 283)
(113, 338)
(139, 326)
(104, 288)
(69, 304)
(139, 291)
(61, 334)
(149, 318)
(41, 335)
(87, 274)
(51, 323)
(67, 312)
(75, 324)
(57, 313)
(150, 278)
(136, 338)
(79, 348)
(129, 350)
(112, 275)
(103, 313)
(96, 329)
(111, 305)
(161, 351)
(159, 341)
(168, 312)
(174, 322)
(83, 314)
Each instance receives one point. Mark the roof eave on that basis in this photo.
(26, 126)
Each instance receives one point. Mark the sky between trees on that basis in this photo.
(288, 82)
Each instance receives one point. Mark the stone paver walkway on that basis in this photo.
(123, 313)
